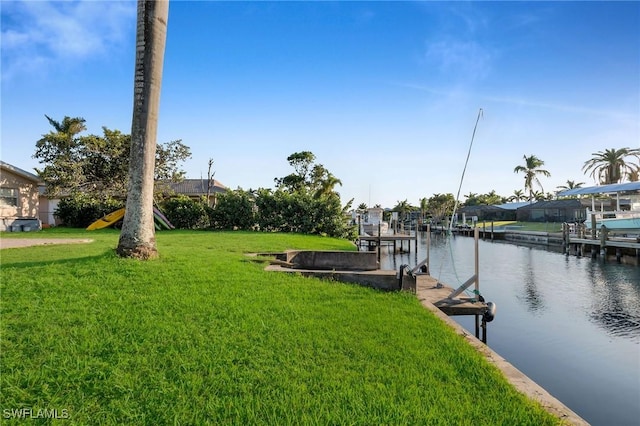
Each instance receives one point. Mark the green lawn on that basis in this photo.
(204, 335)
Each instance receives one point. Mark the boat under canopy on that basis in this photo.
(618, 220)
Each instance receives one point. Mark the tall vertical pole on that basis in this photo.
(476, 236)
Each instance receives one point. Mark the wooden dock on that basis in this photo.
(604, 243)
(430, 292)
(374, 242)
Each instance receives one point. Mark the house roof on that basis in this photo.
(602, 189)
(553, 204)
(513, 206)
(18, 171)
(479, 207)
(195, 187)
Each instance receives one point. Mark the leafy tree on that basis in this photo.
(94, 164)
(611, 165)
(137, 238)
(169, 156)
(531, 170)
(308, 177)
(59, 150)
(105, 163)
(302, 163)
(441, 206)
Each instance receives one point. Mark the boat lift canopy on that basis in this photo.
(616, 188)
(601, 189)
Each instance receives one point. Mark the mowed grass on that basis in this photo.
(203, 335)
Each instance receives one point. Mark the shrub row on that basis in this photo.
(264, 210)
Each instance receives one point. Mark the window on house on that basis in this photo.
(9, 197)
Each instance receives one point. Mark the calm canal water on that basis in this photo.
(571, 324)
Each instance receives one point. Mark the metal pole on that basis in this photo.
(484, 331)
(476, 236)
(477, 326)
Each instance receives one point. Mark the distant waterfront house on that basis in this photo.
(19, 197)
(194, 188)
(569, 210)
(488, 213)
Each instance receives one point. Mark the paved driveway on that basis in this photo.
(6, 243)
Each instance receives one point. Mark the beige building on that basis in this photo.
(19, 199)
(24, 204)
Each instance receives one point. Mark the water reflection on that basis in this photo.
(570, 323)
(532, 297)
(615, 301)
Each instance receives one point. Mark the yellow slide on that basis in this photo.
(107, 220)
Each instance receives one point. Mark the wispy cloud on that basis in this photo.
(523, 102)
(460, 58)
(40, 35)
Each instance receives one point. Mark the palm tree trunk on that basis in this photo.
(137, 238)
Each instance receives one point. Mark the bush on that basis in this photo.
(233, 210)
(185, 213)
(281, 211)
(80, 210)
(303, 213)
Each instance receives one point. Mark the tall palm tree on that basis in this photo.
(137, 238)
(327, 186)
(517, 195)
(531, 170)
(424, 203)
(610, 166)
(571, 184)
(59, 151)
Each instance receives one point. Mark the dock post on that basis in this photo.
(491, 230)
(603, 241)
(477, 266)
(483, 325)
(477, 326)
(429, 248)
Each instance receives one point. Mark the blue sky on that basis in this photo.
(385, 94)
